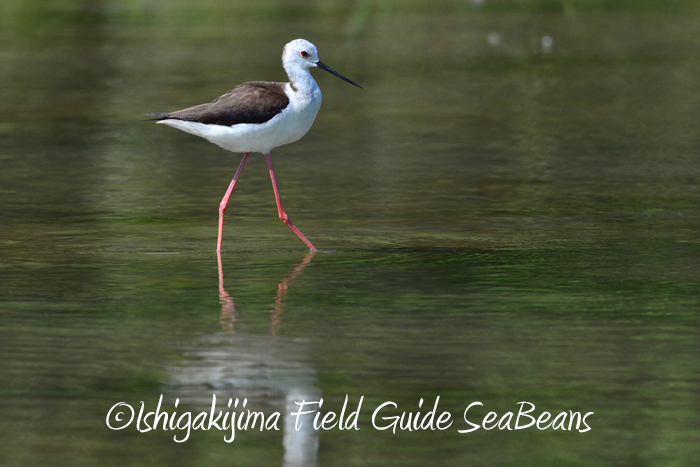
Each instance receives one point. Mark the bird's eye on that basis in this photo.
(304, 53)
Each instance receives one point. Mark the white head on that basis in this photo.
(300, 55)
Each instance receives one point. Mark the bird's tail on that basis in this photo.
(159, 116)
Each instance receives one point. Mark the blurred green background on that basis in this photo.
(508, 211)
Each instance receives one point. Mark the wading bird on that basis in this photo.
(259, 116)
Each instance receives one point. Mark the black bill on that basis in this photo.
(333, 72)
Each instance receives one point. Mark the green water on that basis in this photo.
(501, 218)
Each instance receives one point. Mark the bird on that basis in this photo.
(259, 116)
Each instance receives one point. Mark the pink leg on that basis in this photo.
(224, 201)
(280, 209)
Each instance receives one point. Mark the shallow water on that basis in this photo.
(500, 219)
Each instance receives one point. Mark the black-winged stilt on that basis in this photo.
(259, 116)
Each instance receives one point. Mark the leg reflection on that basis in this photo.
(282, 292)
(227, 316)
(268, 370)
(284, 373)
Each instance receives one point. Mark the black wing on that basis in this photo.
(254, 102)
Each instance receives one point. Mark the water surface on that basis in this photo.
(507, 212)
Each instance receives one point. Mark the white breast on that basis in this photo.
(288, 126)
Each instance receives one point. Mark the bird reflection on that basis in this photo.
(228, 306)
(282, 292)
(272, 372)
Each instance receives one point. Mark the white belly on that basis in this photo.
(286, 127)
